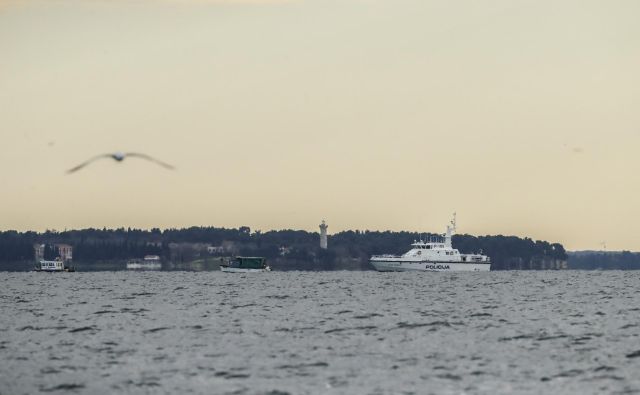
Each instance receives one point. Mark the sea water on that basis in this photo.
(563, 332)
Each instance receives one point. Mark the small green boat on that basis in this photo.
(246, 264)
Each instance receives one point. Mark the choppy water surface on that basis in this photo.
(324, 332)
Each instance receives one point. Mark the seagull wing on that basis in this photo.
(149, 158)
(83, 164)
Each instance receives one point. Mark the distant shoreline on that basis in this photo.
(196, 248)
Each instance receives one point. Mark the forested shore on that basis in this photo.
(199, 247)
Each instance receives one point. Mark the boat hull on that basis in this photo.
(56, 266)
(382, 265)
(144, 266)
(227, 269)
(65, 270)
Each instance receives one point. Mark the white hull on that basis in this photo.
(144, 266)
(426, 266)
(243, 270)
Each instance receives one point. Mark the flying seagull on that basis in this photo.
(119, 156)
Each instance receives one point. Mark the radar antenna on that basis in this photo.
(453, 223)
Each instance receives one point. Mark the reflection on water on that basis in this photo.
(320, 332)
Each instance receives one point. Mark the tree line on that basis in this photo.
(287, 249)
(596, 260)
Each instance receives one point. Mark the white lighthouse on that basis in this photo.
(323, 235)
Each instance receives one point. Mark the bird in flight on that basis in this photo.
(119, 156)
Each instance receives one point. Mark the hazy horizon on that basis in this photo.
(521, 116)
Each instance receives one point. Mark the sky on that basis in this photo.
(522, 116)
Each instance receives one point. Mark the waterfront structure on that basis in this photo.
(38, 251)
(323, 235)
(284, 250)
(215, 249)
(64, 251)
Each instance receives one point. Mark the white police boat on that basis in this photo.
(436, 254)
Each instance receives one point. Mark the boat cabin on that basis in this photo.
(51, 266)
(248, 262)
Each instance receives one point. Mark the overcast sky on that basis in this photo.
(522, 116)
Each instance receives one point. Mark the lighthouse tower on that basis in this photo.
(323, 235)
(451, 229)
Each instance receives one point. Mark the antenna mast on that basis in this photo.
(453, 222)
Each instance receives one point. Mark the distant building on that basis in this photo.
(284, 251)
(38, 250)
(229, 247)
(186, 251)
(65, 252)
(323, 235)
(215, 249)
